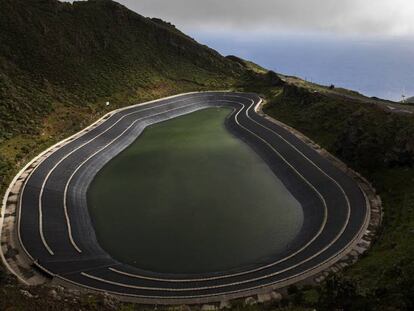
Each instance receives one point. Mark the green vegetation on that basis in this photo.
(380, 145)
(248, 64)
(59, 64)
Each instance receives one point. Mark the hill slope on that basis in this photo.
(378, 143)
(60, 62)
(59, 52)
(410, 100)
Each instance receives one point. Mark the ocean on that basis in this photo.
(382, 67)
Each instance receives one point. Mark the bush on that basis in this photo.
(3, 275)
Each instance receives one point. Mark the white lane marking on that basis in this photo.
(229, 292)
(167, 289)
(265, 266)
(59, 144)
(64, 158)
(304, 274)
(52, 149)
(238, 123)
(233, 283)
(98, 151)
(314, 164)
(284, 259)
(271, 264)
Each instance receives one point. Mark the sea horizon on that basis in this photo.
(380, 67)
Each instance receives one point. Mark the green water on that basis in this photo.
(189, 197)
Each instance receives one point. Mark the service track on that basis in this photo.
(56, 232)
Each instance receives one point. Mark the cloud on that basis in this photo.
(372, 17)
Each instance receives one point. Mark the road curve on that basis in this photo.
(56, 232)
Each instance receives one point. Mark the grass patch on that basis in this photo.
(379, 145)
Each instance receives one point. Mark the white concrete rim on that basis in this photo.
(4, 204)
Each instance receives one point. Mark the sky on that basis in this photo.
(343, 17)
(365, 45)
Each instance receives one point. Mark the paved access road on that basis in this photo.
(56, 231)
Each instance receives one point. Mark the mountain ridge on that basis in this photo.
(88, 50)
(410, 100)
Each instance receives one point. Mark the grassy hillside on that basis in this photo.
(380, 145)
(59, 64)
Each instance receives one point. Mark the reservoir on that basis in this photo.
(188, 197)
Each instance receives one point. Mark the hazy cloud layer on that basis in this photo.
(378, 17)
(343, 16)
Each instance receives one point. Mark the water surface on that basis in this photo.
(189, 197)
